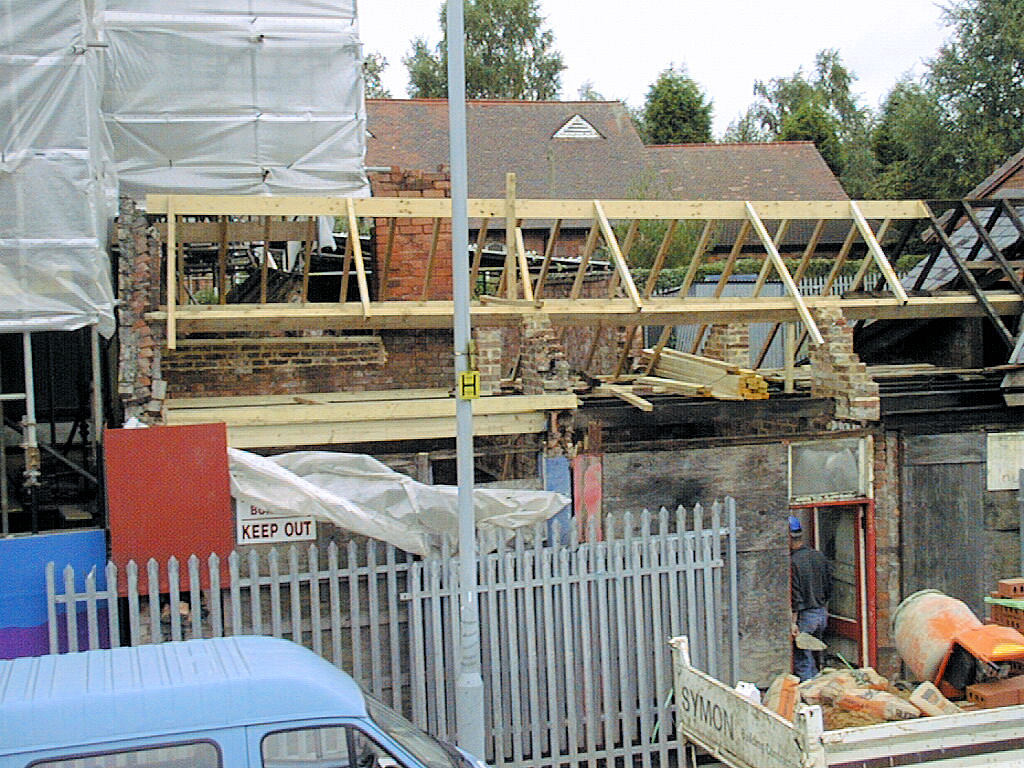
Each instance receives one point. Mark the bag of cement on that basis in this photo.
(929, 700)
(836, 682)
(877, 703)
(783, 695)
(748, 691)
(866, 677)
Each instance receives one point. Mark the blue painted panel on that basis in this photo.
(555, 472)
(23, 562)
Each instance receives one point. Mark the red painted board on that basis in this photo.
(586, 495)
(168, 494)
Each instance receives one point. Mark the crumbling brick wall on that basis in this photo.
(837, 372)
(140, 384)
(544, 366)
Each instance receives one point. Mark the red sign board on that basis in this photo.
(168, 493)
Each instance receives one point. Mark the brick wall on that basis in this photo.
(269, 366)
(411, 245)
(837, 372)
(729, 343)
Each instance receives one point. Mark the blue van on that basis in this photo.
(240, 702)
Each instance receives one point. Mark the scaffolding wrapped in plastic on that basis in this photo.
(236, 97)
(56, 187)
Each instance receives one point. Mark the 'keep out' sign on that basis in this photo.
(256, 525)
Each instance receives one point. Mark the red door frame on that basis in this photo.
(868, 613)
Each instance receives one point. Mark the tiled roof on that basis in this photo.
(516, 136)
(990, 187)
(786, 170)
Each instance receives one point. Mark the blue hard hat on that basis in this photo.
(794, 524)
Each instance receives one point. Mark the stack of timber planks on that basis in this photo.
(711, 377)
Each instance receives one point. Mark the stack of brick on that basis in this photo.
(139, 381)
(729, 343)
(410, 247)
(838, 373)
(543, 364)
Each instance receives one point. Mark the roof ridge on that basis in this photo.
(731, 144)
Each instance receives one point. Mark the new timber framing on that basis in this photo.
(626, 305)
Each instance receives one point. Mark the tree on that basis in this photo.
(587, 92)
(374, 65)
(819, 106)
(676, 110)
(978, 80)
(912, 144)
(509, 55)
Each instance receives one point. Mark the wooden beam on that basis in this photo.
(698, 254)
(510, 241)
(675, 386)
(783, 272)
(994, 249)
(659, 258)
(383, 207)
(172, 290)
(627, 247)
(866, 263)
(478, 254)
(627, 395)
(549, 254)
(265, 263)
(307, 256)
(581, 270)
(385, 273)
(565, 313)
(346, 268)
(969, 279)
(431, 257)
(876, 252)
(766, 265)
(236, 231)
(617, 259)
(384, 430)
(222, 260)
(370, 410)
(357, 254)
(723, 279)
(524, 267)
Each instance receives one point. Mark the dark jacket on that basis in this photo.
(811, 573)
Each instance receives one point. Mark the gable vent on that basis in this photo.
(577, 128)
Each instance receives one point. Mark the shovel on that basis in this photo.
(808, 642)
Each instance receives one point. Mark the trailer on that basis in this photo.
(741, 734)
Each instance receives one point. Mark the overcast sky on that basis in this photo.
(726, 44)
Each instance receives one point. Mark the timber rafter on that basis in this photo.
(189, 217)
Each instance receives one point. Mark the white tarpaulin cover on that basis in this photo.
(362, 495)
(236, 97)
(56, 187)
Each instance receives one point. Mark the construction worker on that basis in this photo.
(811, 586)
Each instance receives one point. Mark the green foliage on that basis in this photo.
(810, 122)
(509, 55)
(676, 110)
(912, 144)
(587, 92)
(978, 81)
(374, 65)
(819, 106)
(649, 237)
(205, 296)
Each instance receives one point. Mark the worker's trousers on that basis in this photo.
(813, 621)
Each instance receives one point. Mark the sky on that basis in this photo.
(621, 47)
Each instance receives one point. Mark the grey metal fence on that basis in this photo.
(575, 662)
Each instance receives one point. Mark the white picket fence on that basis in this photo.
(575, 662)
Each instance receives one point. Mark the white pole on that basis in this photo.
(469, 688)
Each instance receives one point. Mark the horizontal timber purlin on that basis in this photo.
(382, 207)
(582, 312)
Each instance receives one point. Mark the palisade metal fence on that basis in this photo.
(575, 663)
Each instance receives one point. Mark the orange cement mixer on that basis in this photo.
(941, 640)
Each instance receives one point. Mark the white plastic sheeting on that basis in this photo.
(236, 97)
(56, 188)
(362, 495)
